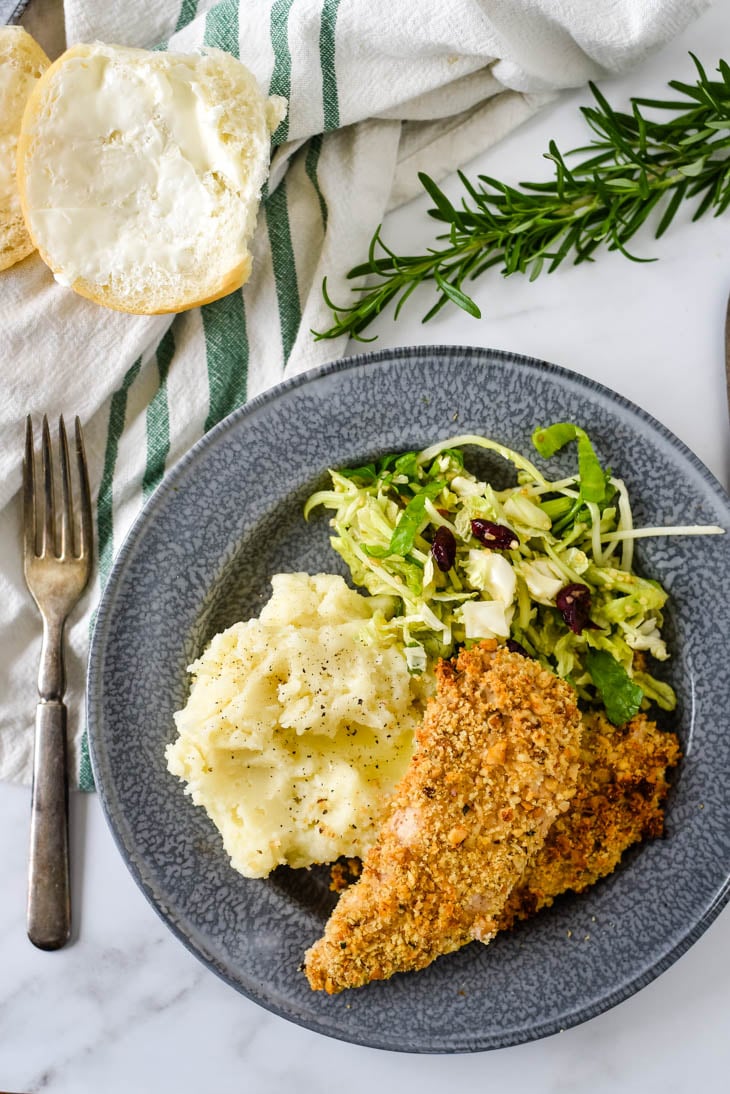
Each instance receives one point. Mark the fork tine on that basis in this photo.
(67, 504)
(86, 538)
(48, 538)
(29, 515)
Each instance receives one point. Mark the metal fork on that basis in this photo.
(57, 563)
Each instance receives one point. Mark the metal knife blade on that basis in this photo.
(11, 10)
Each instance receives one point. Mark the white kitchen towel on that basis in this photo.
(377, 91)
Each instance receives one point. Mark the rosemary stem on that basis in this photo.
(633, 165)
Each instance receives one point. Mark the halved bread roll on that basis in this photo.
(22, 61)
(140, 174)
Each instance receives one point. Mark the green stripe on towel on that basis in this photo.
(221, 27)
(277, 207)
(330, 101)
(104, 505)
(86, 775)
(188, 11)
(224, 321)
(226, 347)
(285, 270)
(158, 419)
(281, 76)
(311, 163)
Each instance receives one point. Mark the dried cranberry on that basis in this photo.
(574, 604)
(497, 536)
(443, 548)
(515, 647)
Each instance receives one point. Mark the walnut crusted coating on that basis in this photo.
(496, 762)
(622, 784)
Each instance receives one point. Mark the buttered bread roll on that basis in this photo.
(140, 174)
(22, 61)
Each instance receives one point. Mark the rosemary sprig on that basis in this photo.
(632, 166)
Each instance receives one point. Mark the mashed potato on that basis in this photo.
(298, 725)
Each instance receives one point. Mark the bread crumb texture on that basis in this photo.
(22, 62)
(140, 174)
(619, 800)
(298, 726)
(496, 762)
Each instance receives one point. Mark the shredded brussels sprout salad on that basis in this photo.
(545, 566)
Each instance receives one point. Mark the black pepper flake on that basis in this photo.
(429, 791)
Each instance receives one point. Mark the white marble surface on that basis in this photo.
(126, 1008)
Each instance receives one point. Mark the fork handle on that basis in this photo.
(49, 901)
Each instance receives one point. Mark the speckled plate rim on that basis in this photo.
(592, 389)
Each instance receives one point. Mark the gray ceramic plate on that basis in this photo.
(200, 557)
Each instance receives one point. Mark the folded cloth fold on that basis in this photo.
(377, 92)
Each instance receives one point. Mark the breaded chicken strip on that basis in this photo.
(622, 784)
(619, 800)
(496, 762)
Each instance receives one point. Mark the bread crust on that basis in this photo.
(105, 296)
(143, 302)
(18, 48)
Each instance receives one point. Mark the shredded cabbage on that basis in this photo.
(576, 531)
